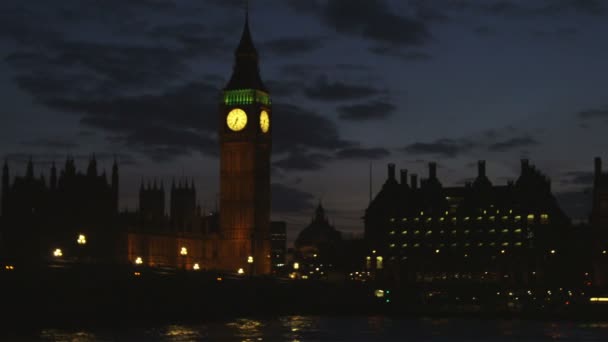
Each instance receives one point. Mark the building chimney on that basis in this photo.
(432, 170)
(403, 179)
(391, 171)
(481, 168)
(414, 181)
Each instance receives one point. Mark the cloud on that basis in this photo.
(408, 56)
(595, 113)
(441, 147)
(52, 143)
(513, 143)
(576, 204)
(323, 90)
(374, 20)
(298, 128)
(362, 153)
(578, 178)
(287, 199)
(293, 45)
(300, 160)
(374, 110)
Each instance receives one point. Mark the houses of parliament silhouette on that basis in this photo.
(76, 214)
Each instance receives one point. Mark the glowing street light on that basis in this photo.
(240, 271)
(250, 259)
(57, 253)
(296, 266)
(82, 239)
(183, 251)
(139, 261)
(196, 267)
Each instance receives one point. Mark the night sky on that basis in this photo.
(352, 81)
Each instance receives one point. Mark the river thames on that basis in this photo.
(340, 328)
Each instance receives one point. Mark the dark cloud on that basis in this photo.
(286, 199)
(300, 160)
(559, 33)
(513, 143)
(52, 143)
(396, 52)
(46, 159)
(362, 153)
(374, 20)
(529, 9)
(283, 88)
(598, 113)
(441, 147)
(578, 178)
(293, 45)
(374, 110)
(163, 126)
(323, 90)
(576, 204)
(484, 30)
(297, 128)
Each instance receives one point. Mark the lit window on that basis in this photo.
(416, 232)
(454, 231)
(492, 230)
(466, 231)
(416, 245)
(429, 232)
(404, 245)
(404, 232)
(379, 264)
(467, 244)
(404, 219)
(454, 244)
(422, 213)
(466, 218)
(392, 245)
(441, 231)
(392, 232)
(505, 230)
(416, 219)
(504, 218)
(505, 244)
(429, 219)
(530, 218)
(480, 244)
(518, 244)
(492, 244)
(442, 219)
(454, 219)
(517, 218)
(479, 218)
(491, 218)
(544, 218)
(518, 230)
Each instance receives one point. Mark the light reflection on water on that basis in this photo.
(340, 328)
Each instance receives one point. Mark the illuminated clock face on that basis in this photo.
(236, 119)
(264, 121)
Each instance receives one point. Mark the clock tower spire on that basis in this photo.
(245, 148)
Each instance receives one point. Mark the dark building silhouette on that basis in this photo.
(599, 225)
(514, 233)
(318, 247)
(278, 241)
(152, 206)
(39, 217)
(183, 209)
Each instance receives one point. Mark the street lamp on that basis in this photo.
(250, 262)
(57, 253)
(183, 252)
(139, 261)
(240, 271)
(296, 266)
(82, 239)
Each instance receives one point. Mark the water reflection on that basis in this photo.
(294, 327)
(249, 330)
(67, 336)
(180, 333)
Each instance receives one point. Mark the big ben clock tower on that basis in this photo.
(245, 135)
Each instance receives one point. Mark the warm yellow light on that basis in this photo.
(296, 266)
(379, 293)
(598, 299)
(437, 251)
(250, 259)
(82, 239)
(264, 121)
(139, 261)
(240, 271)
(219, 279)
(57, 253)
(196, 267)
(502, 251)
(553, 251)
(183, 251)
(236, 119)
(137, 274)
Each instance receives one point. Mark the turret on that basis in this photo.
(5, 187)
(29, 174)
(92, 169)
(414, 181)
(598, 170)
(115, 185)
(391, 171)
(481, 169)
(53, 177)
(432, 170)
(403, 177)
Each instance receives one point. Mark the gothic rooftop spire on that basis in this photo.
(246, 73)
